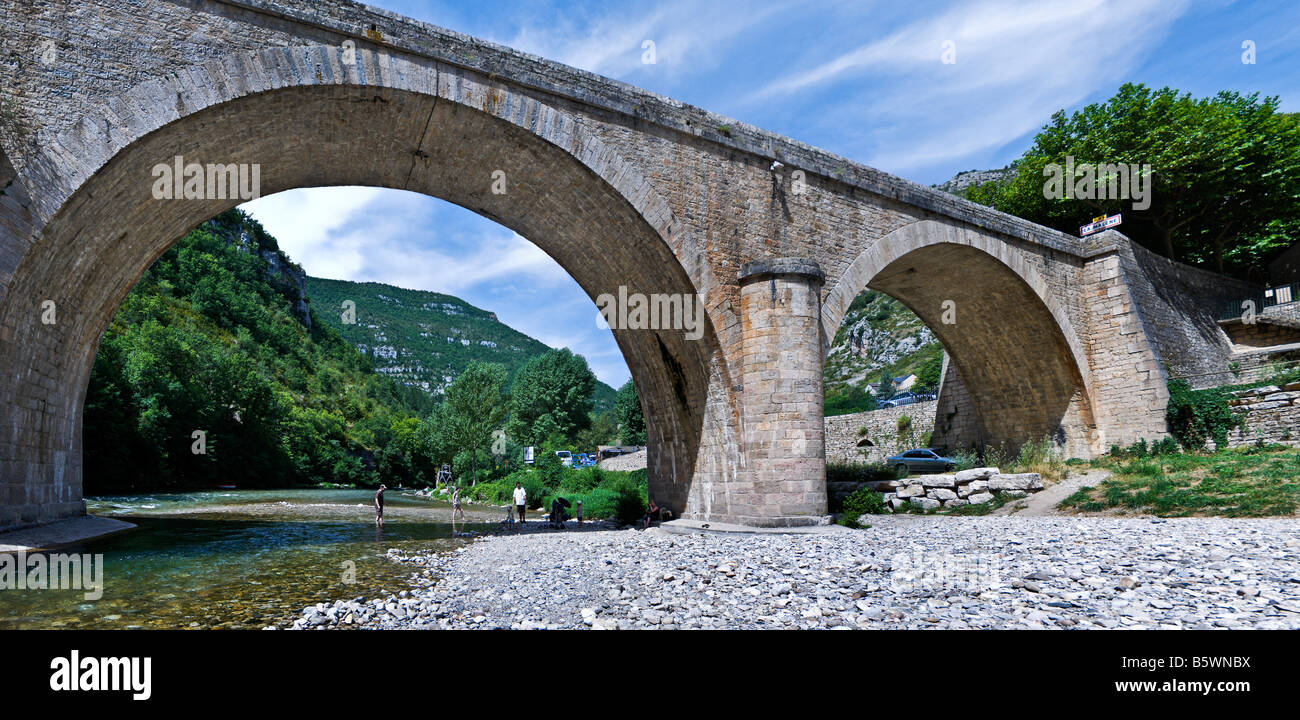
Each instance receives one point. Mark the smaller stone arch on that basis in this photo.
(1013, 342)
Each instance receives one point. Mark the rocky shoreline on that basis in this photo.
(904, 572)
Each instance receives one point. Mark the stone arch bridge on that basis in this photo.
(1048, 335)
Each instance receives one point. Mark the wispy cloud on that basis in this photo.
(688, 37)
(1013, 65)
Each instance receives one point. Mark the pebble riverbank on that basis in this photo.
(903, 572)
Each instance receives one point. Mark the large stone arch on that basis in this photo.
(309, 118)
(1020, 360)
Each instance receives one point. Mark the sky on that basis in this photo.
(921, 89)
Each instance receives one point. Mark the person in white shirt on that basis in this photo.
(521, 501)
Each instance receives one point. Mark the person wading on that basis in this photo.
(379, 505)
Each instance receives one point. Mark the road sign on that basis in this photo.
(1099, 225)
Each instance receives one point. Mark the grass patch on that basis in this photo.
(1258, 481)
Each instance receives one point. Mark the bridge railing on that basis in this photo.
(1270, 297)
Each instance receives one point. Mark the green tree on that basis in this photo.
(603, 431)
(1225, 174)
(551, 395)
(476, 405)
(885, 388)
(627, 407)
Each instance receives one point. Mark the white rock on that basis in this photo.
(979, 498)
(979, 473)
(1017, 481)
(972, 487)
(939, 481)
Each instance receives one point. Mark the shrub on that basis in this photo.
(857, 472)
(582, 480)
(863, 501)
(1195, 416)
(621, 496)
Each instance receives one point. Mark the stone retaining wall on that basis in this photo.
(844, 432)
(1272, 415)
(967, 487)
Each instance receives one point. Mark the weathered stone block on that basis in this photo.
(1016, 481)
(972, 487)
(980, 473)
(939, 481)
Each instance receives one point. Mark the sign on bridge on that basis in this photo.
(1100, 224)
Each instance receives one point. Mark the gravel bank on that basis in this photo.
(905, 572)
(630, 461)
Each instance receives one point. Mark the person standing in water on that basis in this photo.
(379, 505)
(455, 506)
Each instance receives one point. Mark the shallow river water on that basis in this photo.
(239, 558)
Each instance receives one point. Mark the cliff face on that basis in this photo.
(286, 276)
(878, 334)
(962, 180)
(291, 280)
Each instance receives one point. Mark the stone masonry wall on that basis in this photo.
(1272, 415)
(843, 433)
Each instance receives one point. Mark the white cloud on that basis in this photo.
(688, 37)
(1015, 65)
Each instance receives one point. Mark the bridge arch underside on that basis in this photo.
(1018, 376)
(108, 232)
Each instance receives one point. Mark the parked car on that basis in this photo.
(906, 398)
(566, 457)
(920, 461)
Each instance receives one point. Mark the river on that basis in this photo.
(240, 558)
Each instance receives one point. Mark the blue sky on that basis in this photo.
(862, 79)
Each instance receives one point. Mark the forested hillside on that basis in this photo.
(216, 371)
(224, 367)
(422, 338)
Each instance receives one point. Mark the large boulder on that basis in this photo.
(972, 487)
(941, 494)
(925, 503)
(939, 481)
(1017, 481)
(979, 473)
(911, 490)
(978, 498)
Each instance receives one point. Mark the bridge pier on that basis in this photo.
(781, 397)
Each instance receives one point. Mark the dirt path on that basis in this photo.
(1043, 503)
